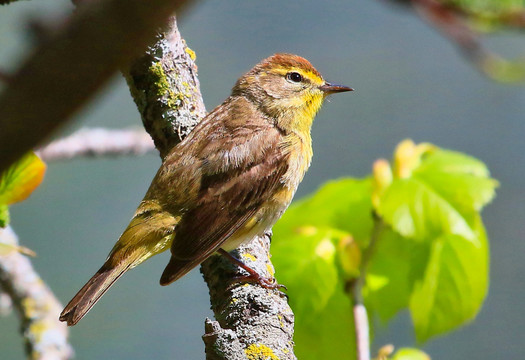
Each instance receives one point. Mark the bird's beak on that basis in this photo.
(332, 88)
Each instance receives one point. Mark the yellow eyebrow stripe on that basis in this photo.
(306, 74)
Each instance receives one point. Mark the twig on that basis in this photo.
(45, 336)
(252, 322)
(452, 26)
(98, 142)
(71, 65)
(452, 21)
(355, 288)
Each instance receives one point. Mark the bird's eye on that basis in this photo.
(294, 77)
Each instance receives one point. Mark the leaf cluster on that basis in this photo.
(430, 255)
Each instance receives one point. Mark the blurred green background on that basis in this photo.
(409, 81)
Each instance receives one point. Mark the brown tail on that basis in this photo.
(150, 232)
(91, 293)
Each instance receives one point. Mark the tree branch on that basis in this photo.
(257, 320)
(45, 336)
(165, 87)
(98, 142)
(252, 322)
(71, 64)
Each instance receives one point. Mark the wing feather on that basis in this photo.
(226, 202)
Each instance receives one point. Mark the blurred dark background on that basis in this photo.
(410, 83)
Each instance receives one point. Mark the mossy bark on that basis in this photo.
(165, 87)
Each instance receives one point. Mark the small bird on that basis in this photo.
(229, 180)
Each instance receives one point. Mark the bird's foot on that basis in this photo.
(253, 276)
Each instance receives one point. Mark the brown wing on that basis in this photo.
(226, 201)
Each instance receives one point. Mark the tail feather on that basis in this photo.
(90, 293)
(150, 232)
(177, 268)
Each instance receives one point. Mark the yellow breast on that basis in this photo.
(299, 153)
(298, 147)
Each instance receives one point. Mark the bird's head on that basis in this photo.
(286, 88)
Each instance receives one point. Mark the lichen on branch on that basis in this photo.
(165, 87)
(44, 335)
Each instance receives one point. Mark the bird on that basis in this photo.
(229, 180)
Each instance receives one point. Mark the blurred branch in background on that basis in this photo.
(98, 142)
(71, 64)
(45, 336)
(463, 23)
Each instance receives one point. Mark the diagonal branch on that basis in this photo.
(45, 336)
(71, 65)
(252, 322)
(165, 87)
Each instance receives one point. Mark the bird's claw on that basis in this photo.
(265, 282)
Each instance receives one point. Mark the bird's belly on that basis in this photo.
(262, 222)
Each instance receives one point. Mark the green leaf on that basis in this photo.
(304, 247)
(343, 204)
(463, 180)
(394, 267)
(4, 216)
(310, 270)
(19, 181)
(441, 195)
(452, 162)
(327, 334)
(437, 203)
(305, 260)
(454, 284)
(417, 211)
(410, 354)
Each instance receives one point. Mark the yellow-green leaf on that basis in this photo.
(454, 284)
(394, 267)
(4, 215)
(410, 354)
(19, 181)
(439, 196)
(313, 253)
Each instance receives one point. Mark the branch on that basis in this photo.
(252, 322)
(251, 318)
(98, 142)
(71, 65)
(45, 336)
(453, 22)
(165, 87)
